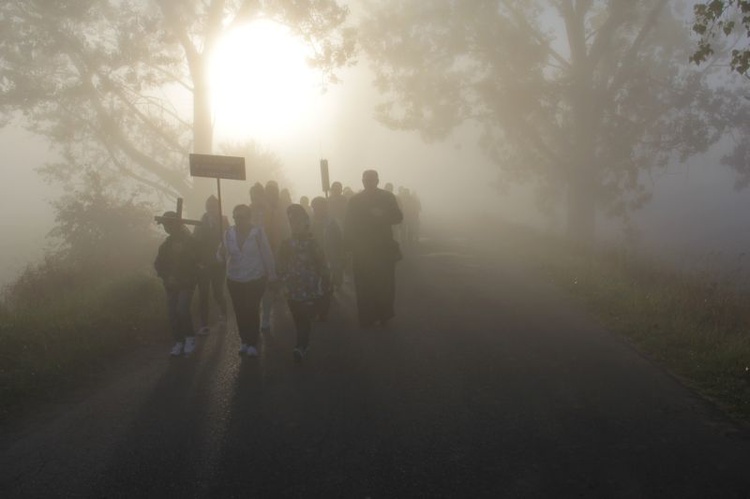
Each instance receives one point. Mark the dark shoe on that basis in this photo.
(299, 354)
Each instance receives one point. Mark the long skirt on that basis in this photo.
(375, 286)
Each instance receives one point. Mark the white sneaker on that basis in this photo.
(251, 351)
(243, 349)
(176, 349)
(189, 345)
(203, 331)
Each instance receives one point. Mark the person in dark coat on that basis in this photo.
(177, 264)
(327, 233)
(369, 236)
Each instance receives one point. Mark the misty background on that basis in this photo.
(695, 217)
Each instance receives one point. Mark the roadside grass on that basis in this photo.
(57, 339)
(694, 323)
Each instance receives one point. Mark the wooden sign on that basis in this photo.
(213, 166)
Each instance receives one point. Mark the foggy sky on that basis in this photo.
(694, 210)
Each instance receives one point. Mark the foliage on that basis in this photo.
(112, 82)
(58, 340)
(93, 296)
(581, 96)
(730, 18)
(99, 237)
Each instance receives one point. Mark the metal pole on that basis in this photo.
(221, 214)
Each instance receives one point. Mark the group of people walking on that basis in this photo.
(274, 247)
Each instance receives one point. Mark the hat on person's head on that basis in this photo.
(168, 214)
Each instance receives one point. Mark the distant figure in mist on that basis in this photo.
(276, 226)
(304, 202)
(258, 204)
(337, 203)
(285, 199)
(213, 272)
(328, 235)
(250, 267)
(411, 207)
(304, 274)
(369, 236)
(177, 264)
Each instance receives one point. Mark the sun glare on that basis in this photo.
(262, 87)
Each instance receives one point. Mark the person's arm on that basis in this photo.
(350, 222)
(267, 255)
(335, 244)
(282, 262)
(321, 265)
(221, 251)
(159, 265)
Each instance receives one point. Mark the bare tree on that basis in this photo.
(122, 85)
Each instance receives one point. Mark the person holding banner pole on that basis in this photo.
(208, 235)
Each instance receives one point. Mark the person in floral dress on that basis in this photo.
(303, 271)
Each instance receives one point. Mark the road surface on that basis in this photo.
(490, 383)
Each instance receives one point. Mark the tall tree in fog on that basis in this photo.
(108, 81)
(579, 95)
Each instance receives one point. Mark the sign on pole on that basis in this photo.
(324, 179)
(218, 167)
(213, 166)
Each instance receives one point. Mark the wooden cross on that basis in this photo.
(179, 218)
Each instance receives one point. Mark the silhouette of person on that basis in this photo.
(285, 200)
(250, 267)
(337, 203)
(212, 273)
(276, 226)
(327, 233)
(412, 213)
(369, 236)
(177, 264)
(304, 202)
(258, 204)
(303, 271)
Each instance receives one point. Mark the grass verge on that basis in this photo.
(690, 322)
(53, 344)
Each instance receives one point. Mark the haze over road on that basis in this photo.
(489, 383)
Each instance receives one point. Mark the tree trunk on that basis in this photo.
(202, 140)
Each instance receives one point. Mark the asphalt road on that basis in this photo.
(489, 383)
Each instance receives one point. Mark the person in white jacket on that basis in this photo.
(250, 267)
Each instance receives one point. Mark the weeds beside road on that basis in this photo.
(53, 342)
(690, 322)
